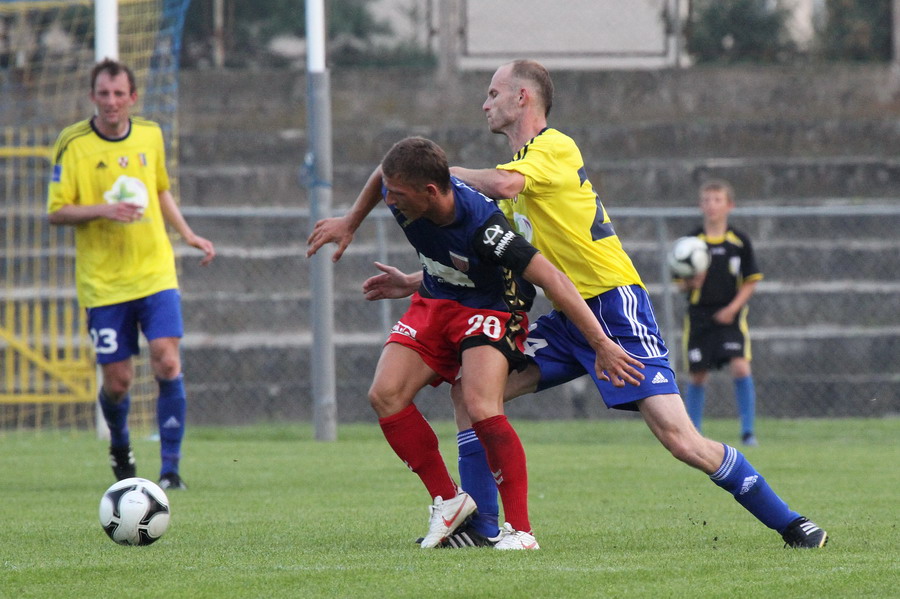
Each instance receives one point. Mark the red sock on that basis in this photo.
(414, 441)
(506, 457)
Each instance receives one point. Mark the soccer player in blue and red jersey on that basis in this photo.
(110, 183)
(466, 325)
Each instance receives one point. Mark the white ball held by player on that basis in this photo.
(688, 257)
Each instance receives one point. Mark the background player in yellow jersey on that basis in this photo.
(716, 333)
(110, 182)
(554, 206)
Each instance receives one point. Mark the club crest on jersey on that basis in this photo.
(499, 238)
(123, 161)
(460, 262)
(492, 234)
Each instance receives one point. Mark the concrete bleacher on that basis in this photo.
(824, 319)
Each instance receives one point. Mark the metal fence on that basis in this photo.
(824, 321)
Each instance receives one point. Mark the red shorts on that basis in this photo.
(439, 330)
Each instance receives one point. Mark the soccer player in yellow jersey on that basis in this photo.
(110, 182)
(552, 204)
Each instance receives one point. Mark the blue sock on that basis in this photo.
(737, 476)
(170, 411)
(116, 416)
(476, 479)
(693, 402)
(745, 393)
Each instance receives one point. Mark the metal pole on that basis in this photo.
(106, 45)
(219, 33)
(448, 40)
(895, 36)
(106, 29)
(667, 324)
(318, 164)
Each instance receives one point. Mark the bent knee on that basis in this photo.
(684, 451)
(386, 402)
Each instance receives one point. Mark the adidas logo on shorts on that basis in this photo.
(659, 379)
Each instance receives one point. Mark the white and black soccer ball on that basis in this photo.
(688, 257)
(134, 511)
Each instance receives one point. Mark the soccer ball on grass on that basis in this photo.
(688, 257)
(134, 511)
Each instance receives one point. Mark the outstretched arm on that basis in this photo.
(391, 283)
(493, 182)
(340, 229)
(612, 362)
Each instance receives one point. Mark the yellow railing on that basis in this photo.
(46, 364)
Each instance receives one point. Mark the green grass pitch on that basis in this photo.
(273, 513)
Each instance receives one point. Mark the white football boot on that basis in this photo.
(446, 516)
(509, 538)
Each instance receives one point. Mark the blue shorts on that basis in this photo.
(114, 328)
(562, 353)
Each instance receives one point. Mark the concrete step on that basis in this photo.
(640, 228)
(798, 261)
(796, 306)
(696, 139)
(263, 314)
(858, 220)
(802, 278)
(674, 182)
(207, 98)
(476, 146)
(778, 306)
(646, 182)
(271, 270)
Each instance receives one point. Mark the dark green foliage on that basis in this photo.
(730, 31)
(858, 30)
(251, 26)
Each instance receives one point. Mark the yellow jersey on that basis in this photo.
(115, 262)
(559, 212)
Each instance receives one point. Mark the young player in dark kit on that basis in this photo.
(716, 331)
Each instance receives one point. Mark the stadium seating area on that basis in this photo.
(823, 322)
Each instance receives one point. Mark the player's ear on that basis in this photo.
(523, 94)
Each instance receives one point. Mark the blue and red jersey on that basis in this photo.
(477, 260)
